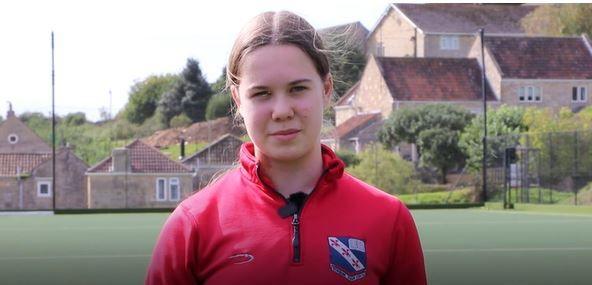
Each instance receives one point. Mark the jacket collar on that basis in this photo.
(332, 166)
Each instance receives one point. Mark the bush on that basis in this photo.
(220, 105)
(349, 158)
(385, 170)
(180, 121)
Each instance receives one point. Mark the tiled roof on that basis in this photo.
(143, 159)
(467, 18)
(355, 123)
(349, 94)
(541, 57)
(227, 139)
(433, 79)
(26, 161)
(351, 34)
(198, 132)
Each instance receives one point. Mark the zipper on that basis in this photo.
(296, 238)
(296, 243)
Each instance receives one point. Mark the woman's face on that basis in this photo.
(281, 98)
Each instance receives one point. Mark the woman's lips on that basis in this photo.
(285, 135)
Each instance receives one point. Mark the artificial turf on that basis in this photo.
(461, 247)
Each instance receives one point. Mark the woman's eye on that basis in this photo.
(298, 88)
(261, 94)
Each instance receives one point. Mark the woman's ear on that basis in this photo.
(327, 89)
(235, 96)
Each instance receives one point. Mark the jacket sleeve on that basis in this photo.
(174, 256)
(407, 263)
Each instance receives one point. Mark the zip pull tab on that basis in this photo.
(296, 238)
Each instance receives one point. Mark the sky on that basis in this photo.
(103, 47)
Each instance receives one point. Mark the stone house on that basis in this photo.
(137, 176)
(551, 72)
(392, 83)
(214, 159)
(26, 171)
(441, 30)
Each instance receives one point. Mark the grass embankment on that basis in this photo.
(459, 196)
(174, 152)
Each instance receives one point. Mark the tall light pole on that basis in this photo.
(53, 137)
(484, 95)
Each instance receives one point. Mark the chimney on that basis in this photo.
(120, 160)
(10, 112)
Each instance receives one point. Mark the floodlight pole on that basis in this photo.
(483, 95)
(53, 138)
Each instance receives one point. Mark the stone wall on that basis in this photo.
(118, 190)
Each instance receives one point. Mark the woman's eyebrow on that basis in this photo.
(295, 82)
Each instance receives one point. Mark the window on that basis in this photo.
(13, 138)
(161, 189)
(174, 189)
(449, 42)
(579, 94)
(379, 49)
(44, 189)
(529, 94)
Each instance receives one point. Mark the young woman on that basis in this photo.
(289, 214)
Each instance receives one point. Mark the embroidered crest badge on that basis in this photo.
(348, 257)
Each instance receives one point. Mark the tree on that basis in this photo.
(559, 19)
(190, 95)
(439, 148)
(435, 127)
(145, 95)
(347, 59)
(500, 123)
(220, 104)
(385, 170)
(75, 119)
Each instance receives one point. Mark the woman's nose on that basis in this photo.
(282, 108)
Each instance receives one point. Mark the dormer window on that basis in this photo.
(449, 42)
(13, 138)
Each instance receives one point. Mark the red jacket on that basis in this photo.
(231, 232)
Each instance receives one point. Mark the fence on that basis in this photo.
(538, 168)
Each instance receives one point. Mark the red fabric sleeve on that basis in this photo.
(407, 264)
(173, 259)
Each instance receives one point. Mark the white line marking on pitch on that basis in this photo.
(75, 257)
(122, 228)
(507, 249)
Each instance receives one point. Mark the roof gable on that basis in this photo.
(143, 159)
(224, 150)
(433, 79)
(541, 57)
(27, 140)
(466, 18)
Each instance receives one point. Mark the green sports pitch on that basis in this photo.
(471, 246)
